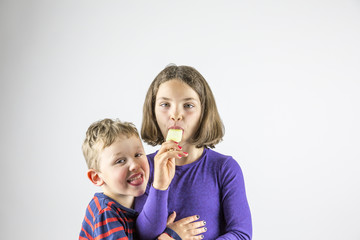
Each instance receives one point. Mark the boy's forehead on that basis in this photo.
(122, 146)
(127, 137)
(128, 141)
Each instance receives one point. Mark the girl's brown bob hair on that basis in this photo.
(211, 129)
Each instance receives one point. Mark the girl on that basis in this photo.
(206, 183)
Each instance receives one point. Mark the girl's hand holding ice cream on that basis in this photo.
(164, 164)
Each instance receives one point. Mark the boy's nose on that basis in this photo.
(134, 165)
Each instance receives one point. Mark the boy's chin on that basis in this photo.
(140, 192)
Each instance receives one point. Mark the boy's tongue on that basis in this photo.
(136, 180)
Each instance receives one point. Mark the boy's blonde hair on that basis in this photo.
(211, 129)
(102, 134)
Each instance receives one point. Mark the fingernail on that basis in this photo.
(204, 222)
(185, 153)
(197, 216)
(176, 142)
(205, 229)
(179, 155)
(180, 147)
(201, 236)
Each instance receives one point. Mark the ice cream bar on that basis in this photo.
(174, 134)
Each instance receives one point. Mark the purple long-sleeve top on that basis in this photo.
(211, 187)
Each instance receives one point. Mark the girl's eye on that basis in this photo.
(138, 155)
(164, 105)
(188, 105)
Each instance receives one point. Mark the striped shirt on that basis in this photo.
(106, 219)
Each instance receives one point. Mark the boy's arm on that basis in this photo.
(114, 227)
(166, 236)
(189, 228)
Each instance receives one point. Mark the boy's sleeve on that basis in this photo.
(108, 226)
(172, 234)
(152, 220)
(234, 203)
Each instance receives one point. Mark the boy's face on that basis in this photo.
(124, 169)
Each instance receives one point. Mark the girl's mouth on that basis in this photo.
(175, 127)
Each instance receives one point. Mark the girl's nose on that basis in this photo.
(176, 115)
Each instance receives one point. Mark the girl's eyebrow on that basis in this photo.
(168, 99)
(163, 98)
(189, 99)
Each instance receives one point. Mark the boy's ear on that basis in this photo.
(95, 177)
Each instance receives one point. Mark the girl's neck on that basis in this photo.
(194, 154)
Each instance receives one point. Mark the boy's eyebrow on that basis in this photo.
(116, 154)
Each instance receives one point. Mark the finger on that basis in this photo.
(196, 224)
(171, 218)
(169, 145)
(163, 157)
(198, 237)
(175, 146)
(189, 219)
(172, 145)
(173, 153)
(182, 154)
(197, 231)
(165, 146)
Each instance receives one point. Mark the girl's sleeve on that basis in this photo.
(151, 221)
(234, 203)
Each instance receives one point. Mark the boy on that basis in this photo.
(118, 164)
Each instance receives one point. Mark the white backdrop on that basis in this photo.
(285, 75)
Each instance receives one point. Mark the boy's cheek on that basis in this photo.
(146, 168)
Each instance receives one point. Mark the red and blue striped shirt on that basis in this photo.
(106, 219)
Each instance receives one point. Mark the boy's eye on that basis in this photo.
(120, 161)
(138, 155)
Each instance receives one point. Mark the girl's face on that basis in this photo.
(177, 106)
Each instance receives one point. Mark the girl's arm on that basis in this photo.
(151, 221)
(234, 203)
(153, 217)
(189, 228)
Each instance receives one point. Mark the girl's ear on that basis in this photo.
(95, 177)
